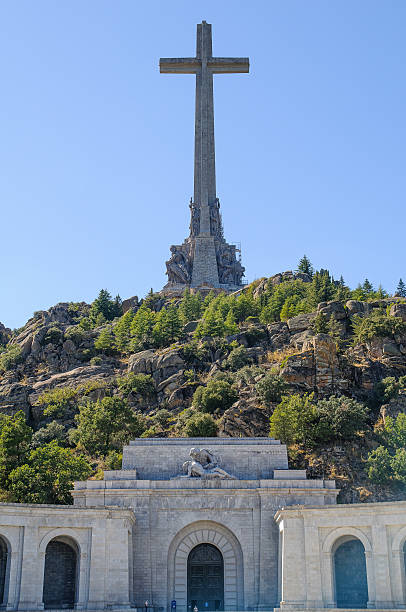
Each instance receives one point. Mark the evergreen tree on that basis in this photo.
(190, 306)
(212, 324)
(122, 332)
(230, 324)
(104, 305)
(160, 333)
(320, 324)
(305, 266)
(141, 327)
(367, 287)
(105, 340)
(401, 289)
(173, 323)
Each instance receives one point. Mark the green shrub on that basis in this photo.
(48, 475)
(270, 388)
(340, 417)
(379, 468)
(377, 324)
(97, 360)
(217, 395)
(248, 374)
(58, 401)
(162, 417)
(15, 438)
(10, 358)
(388, 462)
(395, 431)
(137, 383)
(389, 388)
(106, 425)
(53, 431)
(200, 425)
(76, 334)
(54, 335)
(114, 460)
(237, 359)
(293, 420)
(398, 465)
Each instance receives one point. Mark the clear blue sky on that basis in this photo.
(96, 147)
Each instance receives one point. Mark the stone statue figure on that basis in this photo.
(230, 268)
(203, 464)
(194, 219)
(178, 267)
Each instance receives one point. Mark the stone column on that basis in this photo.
(314, 595)
(293, 579)
(32, 572)
(383, 595)
(99, 560)
(117, 570)
(12, 588)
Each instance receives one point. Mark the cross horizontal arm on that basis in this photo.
(183, 65)
(228, 64)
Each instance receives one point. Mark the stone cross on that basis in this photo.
(204, 65)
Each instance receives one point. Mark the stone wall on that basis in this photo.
(245, 458)
(99, 536)
(310, 536)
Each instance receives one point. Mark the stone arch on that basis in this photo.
(399, 541)
(5, 556)
(59, 533)
(350, 573)
(338, 536)
(206, 532)
(61, 572)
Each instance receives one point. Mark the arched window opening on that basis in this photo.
(205, 578)
(351, 575)
(3, 568)
(60, 574)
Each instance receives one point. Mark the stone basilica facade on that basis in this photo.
(224, 525)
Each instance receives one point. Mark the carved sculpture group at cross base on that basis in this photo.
(203, 464)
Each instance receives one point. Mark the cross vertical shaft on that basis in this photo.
(205, 165)
(204, 65)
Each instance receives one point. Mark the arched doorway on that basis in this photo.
(3, 568)
(205, 578)
(60, 574)
(350, 574)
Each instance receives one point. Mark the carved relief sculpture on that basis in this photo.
(203, 464)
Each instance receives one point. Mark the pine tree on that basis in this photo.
(105, 340)
(401, 289)
(367, 287)
(190, 306)
(173, 323)
(320, 324)
(122, 331)
(305, 266)
(141, 327)
(230, 324)
(104, 305)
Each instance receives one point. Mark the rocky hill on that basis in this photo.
(193, 379)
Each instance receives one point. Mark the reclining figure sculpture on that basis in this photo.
(203, 464)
